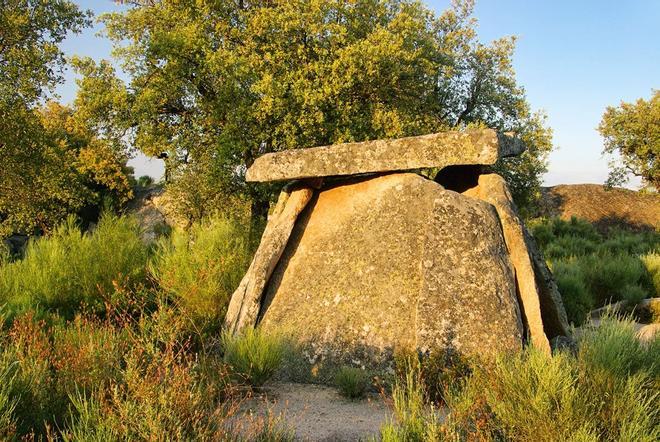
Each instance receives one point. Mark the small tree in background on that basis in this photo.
(632, 130)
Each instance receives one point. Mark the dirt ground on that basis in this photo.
(318, 413)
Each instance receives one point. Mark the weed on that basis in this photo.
(352, 382)
(254, 355)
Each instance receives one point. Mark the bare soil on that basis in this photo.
(317, 413)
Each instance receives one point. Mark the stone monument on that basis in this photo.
(362, 255)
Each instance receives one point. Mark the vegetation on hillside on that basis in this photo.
(593, 269)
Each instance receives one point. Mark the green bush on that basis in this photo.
(608, 277)
(145, 181)
(352, 382)
(7, 401)
(254, 356)
(568, 246)
(202, 267)
(69, 268)
(577, 300)
(607, 391)
(414, 420)
(440, 370)
(652, 264)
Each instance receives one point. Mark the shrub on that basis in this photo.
(633, 293)
(568, 246)
(254, 356)
(614, 347)
(607, 391)
(440, 370)
(69, 268)
(607, 277)
(652, 264)
(7, 401)
(622, 242)
(202, 267)
(145, 181)
(352, 382)
(414, 420)
(575, 296)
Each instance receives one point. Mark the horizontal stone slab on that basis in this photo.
(479, 147)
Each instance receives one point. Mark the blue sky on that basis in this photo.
(574, 58)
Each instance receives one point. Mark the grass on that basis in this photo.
(200, 268)
(253, 356)
(593, 268)
(607, 391)
(71, 268)
(352, 382)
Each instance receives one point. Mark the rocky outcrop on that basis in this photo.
(435, 150)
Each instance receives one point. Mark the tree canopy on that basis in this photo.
(216, 84)
(632, 130)
(53, 162)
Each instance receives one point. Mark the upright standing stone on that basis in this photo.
(245, 302)
(394, 261)
(493, 189)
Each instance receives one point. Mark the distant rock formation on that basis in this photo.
(602, 206)
(361, 258)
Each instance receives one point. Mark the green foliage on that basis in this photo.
(38, 183)
(217, 85)
(254, 356)
(440, 369)
(69, 268)
(609, 277)
(145, 181)
(7, 402)
(605, 392)
(593, 268)
(414, 420)
(352, 382)
(202, 267)
(578, 302)
(631, 130)
(652, 263)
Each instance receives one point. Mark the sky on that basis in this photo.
(574, 58)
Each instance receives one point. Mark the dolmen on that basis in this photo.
(363, 256)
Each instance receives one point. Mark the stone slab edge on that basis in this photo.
(245, 302)
(493, 189)
(479, 147)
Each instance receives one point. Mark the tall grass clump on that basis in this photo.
(70, 268)
(7, 401)
(414, 419)
(352, 382)
(201, 267)
(254, 356)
